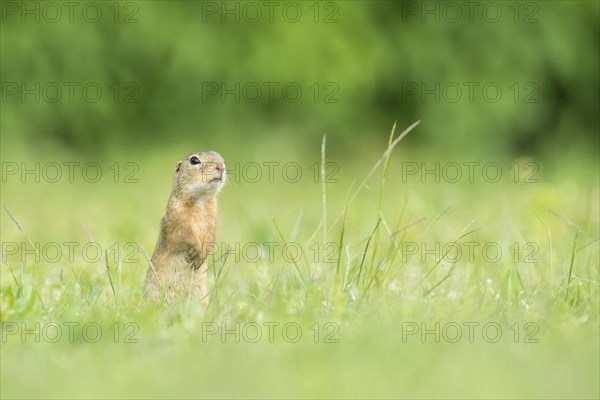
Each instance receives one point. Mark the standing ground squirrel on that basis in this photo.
(187, 231)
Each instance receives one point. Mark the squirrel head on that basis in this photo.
(199, 176)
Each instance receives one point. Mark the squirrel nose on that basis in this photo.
(220, 167)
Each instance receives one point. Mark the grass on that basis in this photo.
(365, 268)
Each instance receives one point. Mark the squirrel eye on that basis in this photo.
(194, 160)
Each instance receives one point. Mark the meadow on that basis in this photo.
(384, 272)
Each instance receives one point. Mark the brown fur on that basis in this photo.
(187, 231)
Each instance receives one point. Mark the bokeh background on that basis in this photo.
(134, 86)
(164, 70)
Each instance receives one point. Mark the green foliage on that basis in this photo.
(370, 58)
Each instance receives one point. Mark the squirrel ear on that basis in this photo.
(178, 166)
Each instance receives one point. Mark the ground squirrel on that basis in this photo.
(187, 231)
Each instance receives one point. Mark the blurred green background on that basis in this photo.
(136, 85)
(491, 78)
